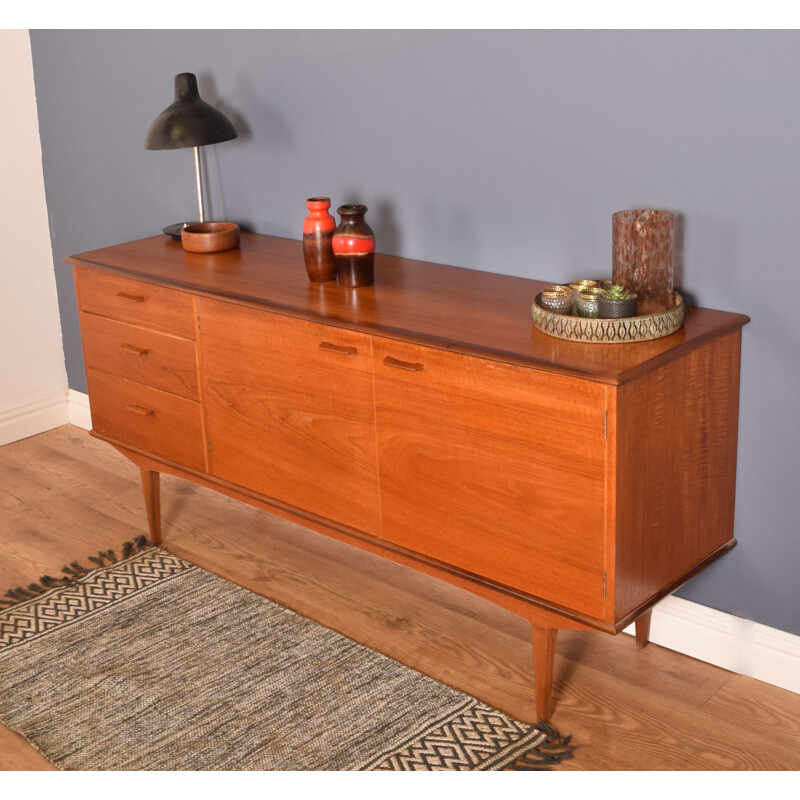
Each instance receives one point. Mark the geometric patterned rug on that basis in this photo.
(148, 662)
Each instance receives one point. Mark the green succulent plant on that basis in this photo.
(618, 293)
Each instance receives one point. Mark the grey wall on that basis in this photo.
(506, 151)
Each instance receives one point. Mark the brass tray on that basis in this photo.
(605, 331)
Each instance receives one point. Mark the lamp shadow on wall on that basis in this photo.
(208, 91)
(261, 117)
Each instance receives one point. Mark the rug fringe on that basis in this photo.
(553, 750)
(73, 572)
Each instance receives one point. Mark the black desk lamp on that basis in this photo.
(188, 122)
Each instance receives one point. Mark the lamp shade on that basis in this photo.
(189, 121)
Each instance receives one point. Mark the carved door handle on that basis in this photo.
(134, 298)
(338, 348)
(132, 348)
(137, 409)
(411, 366)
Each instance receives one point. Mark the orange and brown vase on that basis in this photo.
(354, 247)
(318, 229)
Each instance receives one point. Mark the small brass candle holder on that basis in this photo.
(557, 299)
(587, 303)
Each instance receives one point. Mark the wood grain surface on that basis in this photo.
(161, 423)
(676, 430)
(140, 354)
(497, 469)
(140, 303)
(484, 314)
(289, 409)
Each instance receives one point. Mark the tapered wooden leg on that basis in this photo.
(152, 502)
(544, 651)
(643, 628)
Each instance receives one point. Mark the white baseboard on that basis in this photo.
(34, 415)
(716, 637)
(79, 413)
(43, 413)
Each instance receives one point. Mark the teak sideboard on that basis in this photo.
(423, 419)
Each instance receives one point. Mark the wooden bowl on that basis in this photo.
(210, 237)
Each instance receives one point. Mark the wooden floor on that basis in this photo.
(64, 495)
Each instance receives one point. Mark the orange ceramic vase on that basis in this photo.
(318, 228)
(354, 248)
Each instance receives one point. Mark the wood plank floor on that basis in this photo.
(64, 495)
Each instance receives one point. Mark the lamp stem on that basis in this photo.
(199, 179)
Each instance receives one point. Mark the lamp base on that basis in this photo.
(175, 230)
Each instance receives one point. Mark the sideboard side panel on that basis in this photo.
(676, 430)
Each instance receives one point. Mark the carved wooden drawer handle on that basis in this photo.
(137, 409)
(132, 348)
(411, 366)
(134, 298)
(338, 348)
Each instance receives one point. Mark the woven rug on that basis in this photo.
(151, 663)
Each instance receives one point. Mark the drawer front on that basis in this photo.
(496, 469)
(128, 300)
(139, 354)
(147, 419)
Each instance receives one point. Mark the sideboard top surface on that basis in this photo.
(462, 310)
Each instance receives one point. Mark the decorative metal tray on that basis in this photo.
(605, 331)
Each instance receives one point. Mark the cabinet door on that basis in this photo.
(496, 469)
(289, 410)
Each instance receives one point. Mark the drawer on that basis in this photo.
(139, 354)
(147, 419)
(140, 303)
